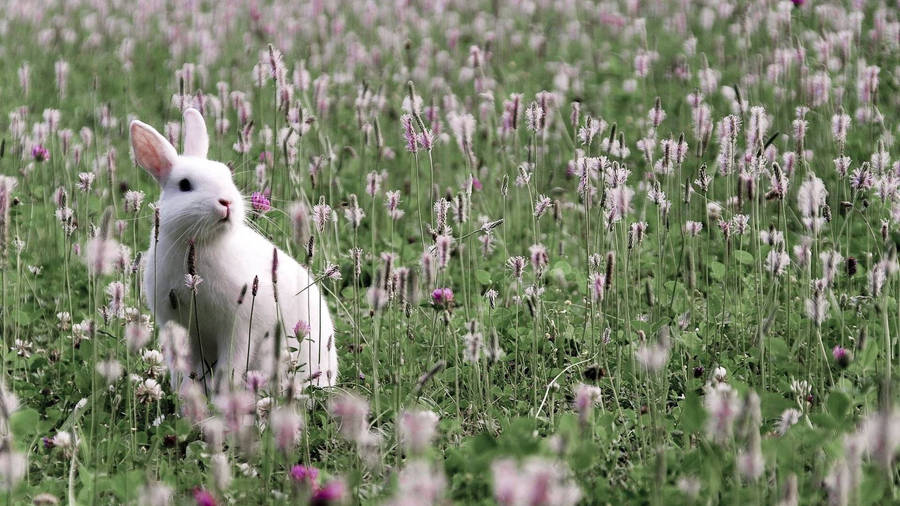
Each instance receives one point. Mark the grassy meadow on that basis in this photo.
(577, 252)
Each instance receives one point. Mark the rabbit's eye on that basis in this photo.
(184, 185)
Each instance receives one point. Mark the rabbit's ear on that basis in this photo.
(152, 151)
(196, 140)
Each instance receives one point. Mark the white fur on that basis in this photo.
(229, 254)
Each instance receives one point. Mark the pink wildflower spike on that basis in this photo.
(442, 297)
(260, 201)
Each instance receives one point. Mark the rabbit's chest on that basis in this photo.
(210, 296)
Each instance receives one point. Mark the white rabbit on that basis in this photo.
(200, 203)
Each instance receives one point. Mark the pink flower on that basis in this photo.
(442, 297)
(416, 429)
(301, 328)
(305, 475)
(286, 427)
(204, 498)
(332, 492)
(409, 133)
(841, 356)
(261, 202)
(40, 153)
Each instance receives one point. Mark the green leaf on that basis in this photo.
(483, 277)
(692, 342)
(125, 484)
(867, 357)
(778, 348)
(563, 266)
(824, 420)
(837, 405)
(717, 269)
(24, 423)
(773, 404)
(183, 427)
(743, 257)
(693, 414)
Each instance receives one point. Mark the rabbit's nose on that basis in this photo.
(225, 202)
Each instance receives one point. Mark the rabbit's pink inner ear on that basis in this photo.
(196, 139)
(152, 151)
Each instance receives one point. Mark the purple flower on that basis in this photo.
(305, 475)
(204, 498)
(798, 3)
(442, 296)
(301, 329)
(40, 153)
(409, 133)
(841, 356)
(476, 184)
(261, 202)
(332, 492)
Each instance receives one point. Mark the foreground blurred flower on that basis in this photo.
(689, 486)
(99, 255)
(155, 494)
(352, 413)
(652, 358)
(7, 185)
(880, 435)
(333, 492)
(173, 340)
(722, 404)
(204, 498)
(12, 468)
(45, 499)
(750, 462)
(416, 429)
(256, 380)
(789, 417)
(586, 396)
(235, 406)
(110, 370)
(538, 482)
(221, 471)
(136, 336)
(419, 484)
(286, 425)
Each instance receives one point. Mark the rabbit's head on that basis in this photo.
(198, 197)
